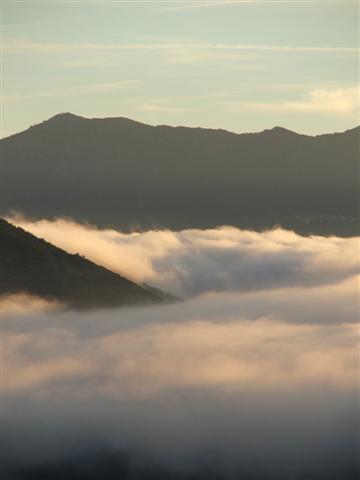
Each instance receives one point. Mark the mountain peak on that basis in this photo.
(65, 116)
(279, 130)
(61, 121)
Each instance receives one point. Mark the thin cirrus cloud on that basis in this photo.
(205, 4)
(76, 90)
(341, 102)
(155, 107)
(71, 47)
(226, 3)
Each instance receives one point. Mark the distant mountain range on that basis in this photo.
(31, 265)
(118, 172)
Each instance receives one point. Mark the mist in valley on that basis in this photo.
(253, 375)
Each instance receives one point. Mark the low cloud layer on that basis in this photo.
(226, 385)
(255, 375)
(192, 262)
(251, 339)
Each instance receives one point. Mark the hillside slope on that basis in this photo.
(115, 171)
(31, 265)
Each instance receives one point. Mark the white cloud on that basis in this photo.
(19, 303)
(225, 385)
(341, 101)
(192, 262)
(242, 377)
(211, 341)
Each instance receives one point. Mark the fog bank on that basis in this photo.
(225, 386)
(191, 262)
(254, 376)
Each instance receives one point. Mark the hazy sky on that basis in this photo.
(238, 65)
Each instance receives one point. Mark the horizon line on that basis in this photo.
(276, 127)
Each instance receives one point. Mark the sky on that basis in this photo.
(238, 65)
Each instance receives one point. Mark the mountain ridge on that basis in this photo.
(68, 116)
(33, 266)
(124, 174)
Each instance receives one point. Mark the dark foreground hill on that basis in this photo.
(31, 265)
(117, 172)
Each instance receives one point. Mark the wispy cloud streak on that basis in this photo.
(76, 90)
(205, 4)
(71, 47)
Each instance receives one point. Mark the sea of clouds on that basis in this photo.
(191, 262)
(255, 375)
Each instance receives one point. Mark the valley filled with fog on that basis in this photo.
(179, 240)
(252, 373)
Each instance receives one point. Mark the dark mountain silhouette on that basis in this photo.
(118, 172)
(31, 265)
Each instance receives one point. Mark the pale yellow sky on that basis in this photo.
(242, 66)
